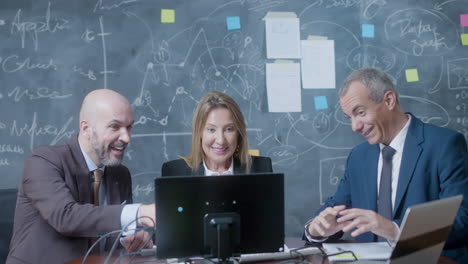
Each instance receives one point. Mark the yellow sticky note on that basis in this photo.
(464, 39)
(167, 16)
(347, 256)
(254, 152)
(412, 75)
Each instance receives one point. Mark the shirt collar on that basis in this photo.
(399, 141)
(230, 171)
(89, 162)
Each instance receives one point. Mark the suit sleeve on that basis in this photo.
(342, 196)
(43, 183)
(453, 176)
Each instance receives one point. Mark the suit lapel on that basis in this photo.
(199, 172)
(237, 166)
(83, 176)
(411, 152)
(371, 176)
(111, 185)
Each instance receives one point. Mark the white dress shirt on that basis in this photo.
(398, 144)
(209, 172)
(129, 211)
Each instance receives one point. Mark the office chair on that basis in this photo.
(8, 202)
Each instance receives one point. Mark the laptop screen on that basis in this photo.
(424, 230)
(182, 203)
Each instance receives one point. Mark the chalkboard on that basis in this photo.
(54, 52)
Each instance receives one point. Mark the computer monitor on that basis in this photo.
(219, 216)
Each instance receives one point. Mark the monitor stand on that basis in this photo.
(222, 235)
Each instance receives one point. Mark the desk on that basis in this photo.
(291, 242)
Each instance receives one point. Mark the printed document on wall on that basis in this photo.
(282, 35)
(318, 64)
(283, 87)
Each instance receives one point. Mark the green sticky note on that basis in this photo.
(167, 16)
(412, 75)
(464, 39)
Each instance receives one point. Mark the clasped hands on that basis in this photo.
(359, 221)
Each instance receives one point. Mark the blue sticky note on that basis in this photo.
(367, 30)
(320, 102)
(233, 23)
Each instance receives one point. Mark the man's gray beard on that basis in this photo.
(101, 154)
(111, 163)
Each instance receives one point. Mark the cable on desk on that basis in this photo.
(137, 229)
(96, 243)
(114, 246)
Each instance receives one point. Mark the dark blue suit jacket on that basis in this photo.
(434, 165)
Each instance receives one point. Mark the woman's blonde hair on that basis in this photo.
(213, 100)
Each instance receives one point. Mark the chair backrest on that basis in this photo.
(8, 202)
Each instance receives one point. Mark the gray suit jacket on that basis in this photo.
(55, 217)
(180, 168)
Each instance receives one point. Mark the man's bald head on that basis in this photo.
(99, 100)
(106, 119)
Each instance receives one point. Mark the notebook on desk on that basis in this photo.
(424, 230)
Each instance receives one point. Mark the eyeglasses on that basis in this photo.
(325, 255)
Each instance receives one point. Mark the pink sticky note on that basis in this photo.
(464, 20)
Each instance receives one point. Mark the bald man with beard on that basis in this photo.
(56, 217)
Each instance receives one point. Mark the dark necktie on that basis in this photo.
(384, 206)
(96, 185)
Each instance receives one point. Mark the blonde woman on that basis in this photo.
(219, 142)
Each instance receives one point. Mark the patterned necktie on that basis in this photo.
(96, 185)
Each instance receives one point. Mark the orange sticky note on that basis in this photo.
(167, 16)
(254, 152)
(412, 75)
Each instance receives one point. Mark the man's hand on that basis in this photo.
(138, 241)
(325, 224)
(367, 221)
(147, 213)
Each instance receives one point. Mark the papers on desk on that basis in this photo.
(286, 254)
(374, 250)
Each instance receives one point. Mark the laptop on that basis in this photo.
(248, 207)
(424, 230)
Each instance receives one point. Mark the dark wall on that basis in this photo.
(53, 52)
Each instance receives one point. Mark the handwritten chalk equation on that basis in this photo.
(7, 148)
(369, 8)
(14, 63)
(457, 72)
(18, 93)
(421, 32)
(4, 162)
(330, 172)
(33, 29)
(34, 130)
